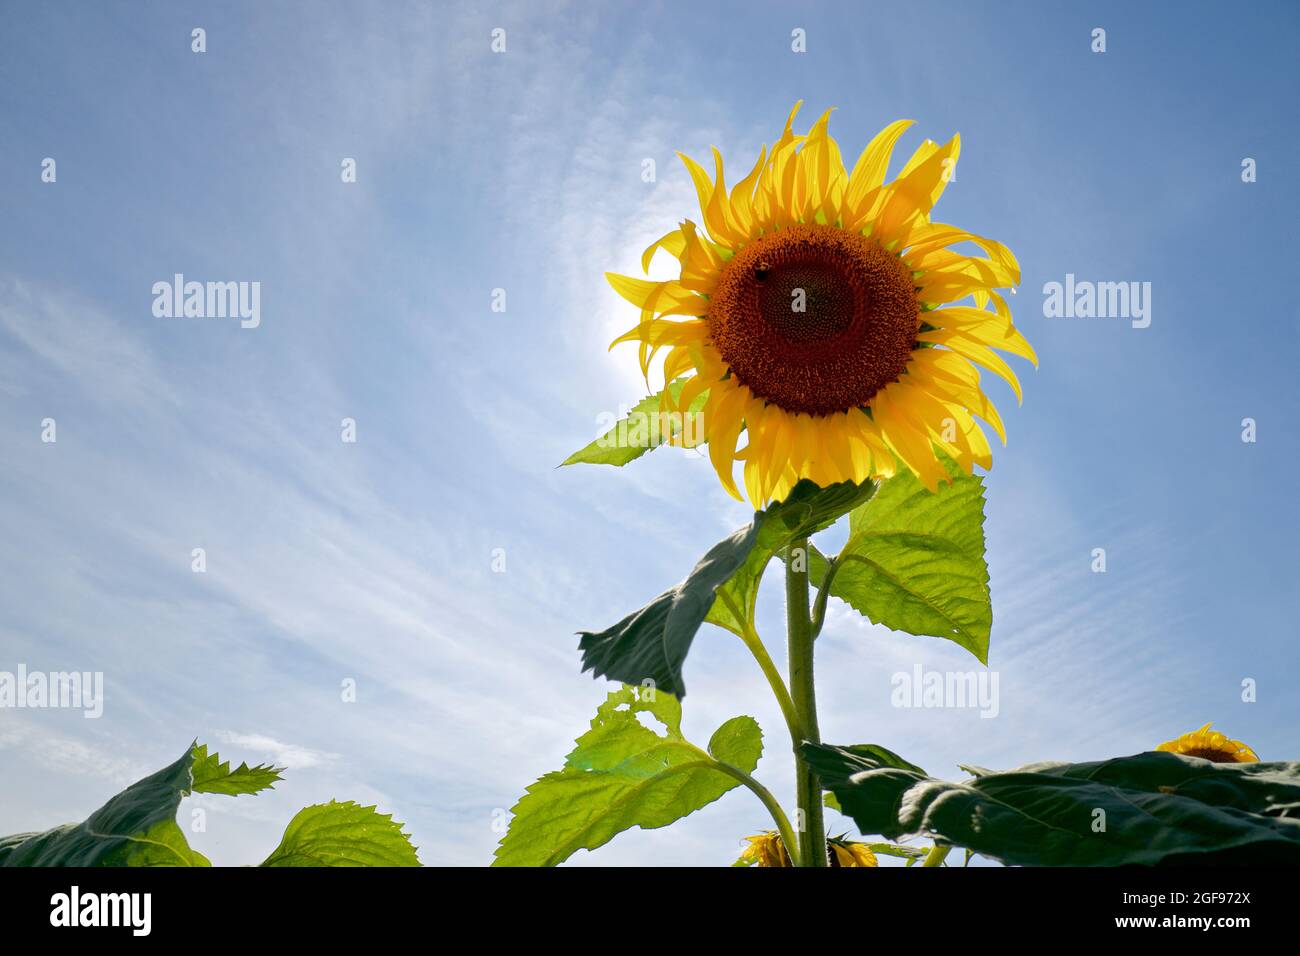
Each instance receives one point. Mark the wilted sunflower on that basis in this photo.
(767, 849)
(1211, 745)
(812, 313)
(850, 853)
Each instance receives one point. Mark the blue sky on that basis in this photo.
(372, 561)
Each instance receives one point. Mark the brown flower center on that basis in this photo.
(815, 319)
(1216, 756)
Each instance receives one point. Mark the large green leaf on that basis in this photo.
(135, 828)
(914, 560)
(640, 431)
(1158, 808)
(651, 644)
(621, 774)
(343, 834)
(213, 775)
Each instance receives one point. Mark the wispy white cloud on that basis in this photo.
(288, 756)
(70, 342)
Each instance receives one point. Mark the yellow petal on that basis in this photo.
(703, 185)
(912, 447)
(742, 195)
(979, 354)
(869, 171)
(837, 444)
(723, 419)
(911, 196)
(946, 386)
(672, 242)
(984, 326)
(659, 332)
(667, 298)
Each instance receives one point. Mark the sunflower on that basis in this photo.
(767, 849)
(850, 853)
(1210, 745)
(810, 313)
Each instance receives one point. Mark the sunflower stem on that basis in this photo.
(812, 832)
(823, 592)
(756, 647)
(788, 836)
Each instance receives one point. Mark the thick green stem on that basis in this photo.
(812, 836)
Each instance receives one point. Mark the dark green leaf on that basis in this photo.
(135, 828)
(622, 774)
(212, 775)
(881, 757)
(651, 644)
(914, 560)
(877, 756)
(631, 437)
(1158, 808)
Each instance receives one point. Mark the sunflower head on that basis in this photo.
(767, 849)
(1210, 745)
(816, 312)
(844, 852)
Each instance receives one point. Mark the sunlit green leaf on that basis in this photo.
(212, 775)
(914, 560)
(641, 430)
(343, 834)
(622, 774)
